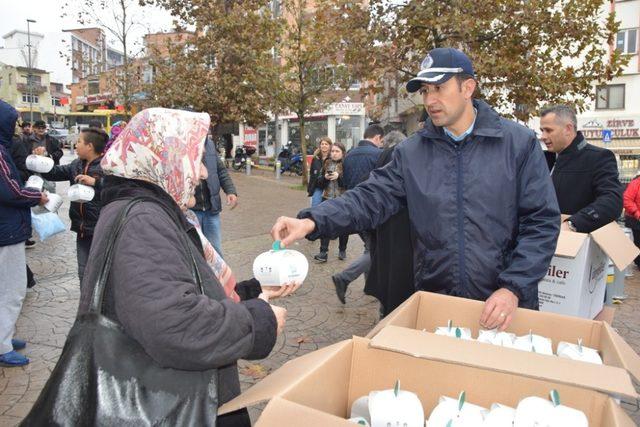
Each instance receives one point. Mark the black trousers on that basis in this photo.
(342, 243)
(636, 241)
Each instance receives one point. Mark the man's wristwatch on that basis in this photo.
(571, 226)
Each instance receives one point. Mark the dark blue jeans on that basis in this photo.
(210, 224)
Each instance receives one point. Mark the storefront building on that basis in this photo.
(342, 121)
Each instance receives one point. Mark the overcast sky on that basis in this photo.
(47, 14)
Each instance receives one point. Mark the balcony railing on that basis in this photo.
(35, 89)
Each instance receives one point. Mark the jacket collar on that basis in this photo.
(366, 143)
(576, 145)
(487, 124)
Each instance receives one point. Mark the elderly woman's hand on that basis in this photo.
(273, 292)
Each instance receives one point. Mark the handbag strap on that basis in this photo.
(101, 282)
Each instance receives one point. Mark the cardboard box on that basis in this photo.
(576, 279)
(425, 310)
(318, 389)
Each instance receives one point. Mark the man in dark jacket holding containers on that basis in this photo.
(15, 229)
(585, 177)
(484, 216)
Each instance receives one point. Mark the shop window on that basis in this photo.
(627, 41)
(348, 130)
(610, 97)
(314, 130)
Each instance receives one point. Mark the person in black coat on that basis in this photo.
(390, 277)
(585, 177)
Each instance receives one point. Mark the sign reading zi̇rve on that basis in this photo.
(620, 127)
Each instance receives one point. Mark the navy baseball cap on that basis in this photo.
(440, 65)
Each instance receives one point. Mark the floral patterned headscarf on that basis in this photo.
(161, 146)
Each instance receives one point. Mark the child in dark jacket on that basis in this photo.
(331, 181)
(84, 170)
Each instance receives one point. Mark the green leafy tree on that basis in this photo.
(226, 68)
(313, 66)
(525, 52)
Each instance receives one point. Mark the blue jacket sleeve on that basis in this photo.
(539, 226)
(365, 207)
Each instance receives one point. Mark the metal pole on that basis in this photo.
(248, 165)
(29, 84)
(278, 167)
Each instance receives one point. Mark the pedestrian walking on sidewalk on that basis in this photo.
(208, 202)
(319, 157)
(331, 182)
(15, 229)
(358, 164)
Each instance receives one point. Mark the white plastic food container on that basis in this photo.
(35, 182)
(536, 411)
(493, 336)
(578, 352)
(453, 331)
(279, 267)
(81, 193)
(499, 416)
(456, 413)
(534, 343)
(54, 203)
(393, 407)
(40, 164)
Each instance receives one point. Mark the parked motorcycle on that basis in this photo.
(289, 162)
(242, 156)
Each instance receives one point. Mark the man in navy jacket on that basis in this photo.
(15, 229)
(358, 164)
(483, 213)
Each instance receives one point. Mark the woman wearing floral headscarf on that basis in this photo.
(151, 291)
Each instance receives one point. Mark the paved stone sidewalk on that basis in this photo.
(315, 317)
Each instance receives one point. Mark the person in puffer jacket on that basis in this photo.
(84, 170)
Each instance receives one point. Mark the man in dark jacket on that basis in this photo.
(208, 203)
(585, 177)
(484, 217)
(44, 144)
(15, 229)
(84, 170)
(361, 160)
(358, 164)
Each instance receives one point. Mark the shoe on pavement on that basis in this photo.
(342, 255)
(341, 289)
(29, 244)
(321, 257)
(18, 344)
(12, 359)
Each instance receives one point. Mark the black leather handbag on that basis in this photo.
(105, 378)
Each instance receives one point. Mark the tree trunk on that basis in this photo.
(303, 149)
